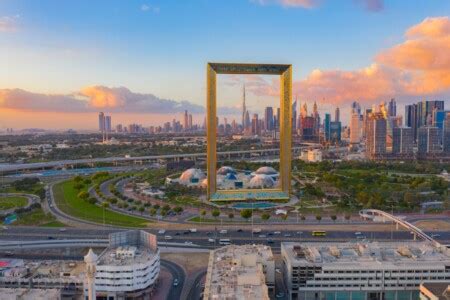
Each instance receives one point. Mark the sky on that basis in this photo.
(145, 61)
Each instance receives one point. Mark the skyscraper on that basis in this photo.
(256, 129)
(190, 122)
(101, 122)
(355, 128)
(403, 141)
(294, 115)
(392, 109)
(326, 126)
(244, 109)
(446, 135)
(337, 115)
(376, 135)
(268, 118)
(108, 123)
(428, 140)
(186, 120)
(411, 119)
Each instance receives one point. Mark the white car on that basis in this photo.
(223, 231)
(211, 240)
(262, 235)
(161, 231)
(62, 229)
(168, 237)
(277, 232)
(188, 243)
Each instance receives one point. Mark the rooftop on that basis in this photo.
(125, 255)
(375, 255)
(236, 272)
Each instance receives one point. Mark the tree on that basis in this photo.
(78, 186)
(215, 213)
(83, 195)
(333, 217)
(77, 179)
(178, 209)
(265, 216)
(87, 181)
(231, 216)
(141, 209)
(318, 217)
(166, 207)
(105, 204)
(347, 217)
(303, 218)
(152, 211)
(156, 206)
(246, 213)
(163, 213)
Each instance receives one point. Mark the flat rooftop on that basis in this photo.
(125, 255)
(236, 272)
(373, 255)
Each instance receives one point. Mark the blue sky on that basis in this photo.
(161, 47)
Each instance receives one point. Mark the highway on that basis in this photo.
(90, 161)
(177, 273)
(209, 239)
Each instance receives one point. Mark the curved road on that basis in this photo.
(177, 273)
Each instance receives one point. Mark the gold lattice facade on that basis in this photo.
(283, 189)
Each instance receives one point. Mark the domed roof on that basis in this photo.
(204, 183)
(189, 174)
(261, 181)
(90, 257)
(225, 170)
(266, 171)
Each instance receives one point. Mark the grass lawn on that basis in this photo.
(12, 202)
(67, 200)
(37, 217)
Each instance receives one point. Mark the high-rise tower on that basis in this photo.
(244, 108)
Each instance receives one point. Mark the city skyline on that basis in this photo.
(393, 63)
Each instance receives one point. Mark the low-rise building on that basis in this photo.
(129, 267)
(240, 272)
(376, 270)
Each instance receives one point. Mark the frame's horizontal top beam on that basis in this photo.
(269, 69)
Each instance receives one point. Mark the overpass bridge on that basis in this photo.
(142, 159)
(375, 214)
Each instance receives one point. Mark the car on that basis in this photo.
(277, 232)
(361, 237)
(269, 233)
(188, 242)
(435, 235)
(262, 235)
(193, 230)
(5, 227)
(168, 237)
(277, 270)
(62, 229)
(299, 232)
(358, 233)
(223, 231)
(279, 295)
(270, 241)
(161, 231)
(209, 233)
(186, 232)
(177, 233)
(175, 282)
(50, 238)
(287, 235)
(211, 240)
(239, 230)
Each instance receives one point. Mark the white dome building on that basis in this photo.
(261, 181)
(191, 175)
(225, 170)
(266, 171)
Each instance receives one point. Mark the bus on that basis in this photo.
(319, 233)
(224, 242)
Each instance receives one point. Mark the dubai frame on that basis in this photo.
(283, 189)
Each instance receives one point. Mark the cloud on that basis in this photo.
(94, 98)
(8, 24)
(150, 8)
(419, 66)
(290, 3)
(371, 5)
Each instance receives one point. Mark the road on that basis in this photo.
(201, 237)
(197, 286)
(177, 273)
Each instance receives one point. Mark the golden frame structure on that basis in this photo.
(285, 73)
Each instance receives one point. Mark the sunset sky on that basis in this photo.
(144, 61)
